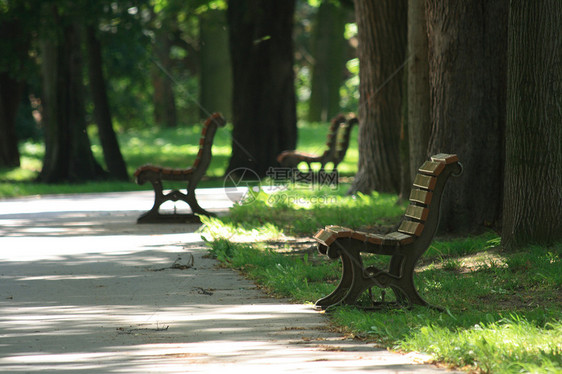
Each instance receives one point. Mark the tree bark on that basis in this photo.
(419, 121)
(163, 97)
(216, 74)
(10, 96)
(68, 154)
(382, 47)
(328, 51)
(264, 106)
(533, 165)
(14, 46)
(467, 42)
(102, 113)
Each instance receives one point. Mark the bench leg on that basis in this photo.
(363, 278)
(154, 215)
(341, 290)
(404, 287)
(191, 200)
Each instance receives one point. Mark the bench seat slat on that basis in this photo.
(328, 235)
(325, 237)
(399, 237)
(411, 227)
(421, 196)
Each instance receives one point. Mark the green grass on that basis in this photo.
(503, 310)
(167, 147)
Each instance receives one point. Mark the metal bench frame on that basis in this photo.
(405, 246)
(337, 142)
(157, 174)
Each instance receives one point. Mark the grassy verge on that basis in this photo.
(503, 310)
(168, 147)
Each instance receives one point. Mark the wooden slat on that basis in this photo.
(421, 196)
(425, 181)
(399, 238)
(445, 157)
(411, 227)
(340, 232)
(417, 212)
(359, 235)
(325, 237)
(375, 238)
(432, 168)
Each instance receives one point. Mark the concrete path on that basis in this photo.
(84, 289)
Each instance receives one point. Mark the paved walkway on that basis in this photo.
(84, 289)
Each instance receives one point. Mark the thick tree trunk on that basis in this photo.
(10, 96)
(533, 165)
(163, 97)
(264, 107)
(382, 47)
(405, 178)
(111, 152)
(216, 74)
(15, 42)
(467, 43)
(68, 155)
(419, 121)
(328, 51)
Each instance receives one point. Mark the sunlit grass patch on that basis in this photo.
(305, 209)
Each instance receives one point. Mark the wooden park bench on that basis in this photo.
(344, 136)
(340, 128)
(157, 174)
(405, 246)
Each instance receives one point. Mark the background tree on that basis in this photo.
(264, 108)
(112, 154)
(466, 42)
(164, 25)
(418, 103)
(68, 155)
(15, 40)
(382, 47)
(533, 165)
(329, 56)
(215, 75)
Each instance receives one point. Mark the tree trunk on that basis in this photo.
(382, 46)
(405, 178)
(10, 96)
(15, 42)
(533, 165)
(419, 121)
(328, 51)
(68, 155)
(264, 107)
(110, 145)
(467, 42)
(216, 75)
(163, 97)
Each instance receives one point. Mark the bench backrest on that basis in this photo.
(332, 137)
(422, 215)
(203, 159)
(344, 135)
